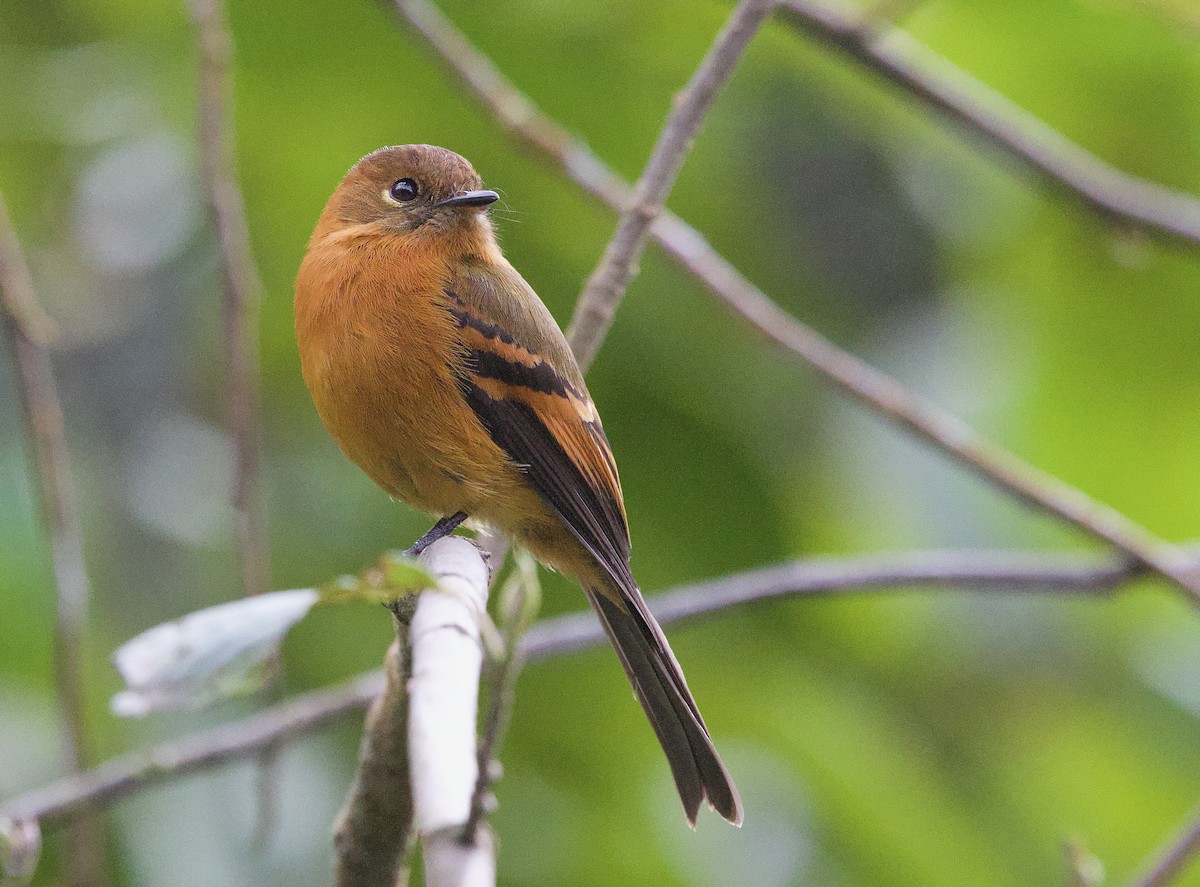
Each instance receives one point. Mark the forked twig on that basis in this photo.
(618, 266)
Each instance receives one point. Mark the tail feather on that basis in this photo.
(661, 689)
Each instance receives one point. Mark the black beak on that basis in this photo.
(470, 198)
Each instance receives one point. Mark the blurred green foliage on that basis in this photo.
(911, 739)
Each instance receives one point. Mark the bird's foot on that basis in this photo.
(403, 607)
(441, 529)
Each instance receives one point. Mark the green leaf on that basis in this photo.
(406, 574)
(393, 577)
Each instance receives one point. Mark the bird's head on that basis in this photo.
(411, 190)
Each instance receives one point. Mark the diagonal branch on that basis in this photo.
(883, 395)
(984, 572)
(241, 286)
(875, 390)
(1060, 163)
(25, 328)
(250, 737)
(618, 266)
(372, 835)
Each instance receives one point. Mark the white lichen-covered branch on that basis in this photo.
(418, 764)
(447, 655)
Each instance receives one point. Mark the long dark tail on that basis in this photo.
(660, 687)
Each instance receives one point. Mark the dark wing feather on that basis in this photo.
(539, 412)
(594, 516)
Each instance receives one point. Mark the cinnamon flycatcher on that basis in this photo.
(441, 374)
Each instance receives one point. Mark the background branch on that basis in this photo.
(618, 266)
(988, 572)
(241, 293)
(1063, 165)
(241, 287)
(25, 328)
(974, 571)
(373, 832)
(875, 390)
(249, 737)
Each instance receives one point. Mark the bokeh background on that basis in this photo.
(920, 738)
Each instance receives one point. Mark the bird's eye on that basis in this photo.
(404, 190)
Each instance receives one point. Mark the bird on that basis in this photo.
(441, 374)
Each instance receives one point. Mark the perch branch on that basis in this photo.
(447, 653)
(984, 572)
(241, 287)
(25, 329)
(1061, 164)
(877, 391)
(618, 266)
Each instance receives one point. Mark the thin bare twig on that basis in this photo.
(25, 329)
(241, 285)
(1060, 163)
(1169, 861)
(520, 599)
(241, 293)
(618, 266)
(985, 572)
(881, 394)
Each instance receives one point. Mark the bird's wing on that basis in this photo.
(522, 382)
